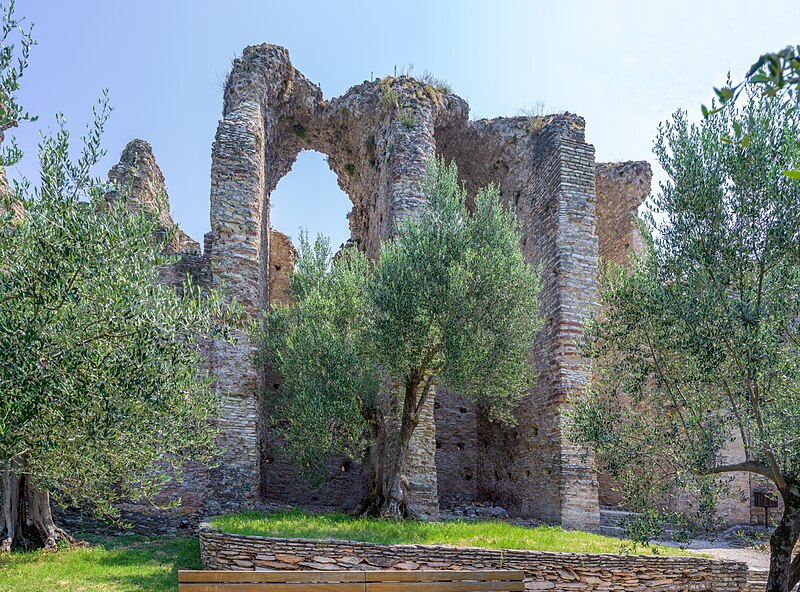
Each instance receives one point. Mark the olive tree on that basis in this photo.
(696, 350)
(450, 301)
(102, 387)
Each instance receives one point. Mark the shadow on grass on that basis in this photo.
(150, 565)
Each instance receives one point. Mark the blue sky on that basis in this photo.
(623, 65)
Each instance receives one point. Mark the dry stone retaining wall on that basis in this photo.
(543, 570)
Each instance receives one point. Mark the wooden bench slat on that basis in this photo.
(444, 576)
(351, 581)
(460, 586)
(269, 576)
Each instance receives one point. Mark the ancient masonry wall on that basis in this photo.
(456, 449)
(620, 188)
(378, 137)
(543, 571)
(545, 170)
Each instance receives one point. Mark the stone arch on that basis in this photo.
(378, 137)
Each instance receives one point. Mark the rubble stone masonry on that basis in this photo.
(543, 570)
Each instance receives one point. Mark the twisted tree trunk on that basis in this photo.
(26, 519)
(395, 482)
(782, 543)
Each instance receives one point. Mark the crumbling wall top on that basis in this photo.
(138, 172)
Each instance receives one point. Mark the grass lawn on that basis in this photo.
(128, 563)
(489, 534)
(110, 565)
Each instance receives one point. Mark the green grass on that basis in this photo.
(109, 565)
(487, 534)
(130, 563)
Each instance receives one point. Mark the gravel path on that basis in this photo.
(755, 557)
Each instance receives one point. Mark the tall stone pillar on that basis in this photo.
(237, 201)
(544, 170)
(410, 137)
(576, 271)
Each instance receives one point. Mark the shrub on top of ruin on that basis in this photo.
(389, 96)
(438, 84)
(450, 301)
(536, 116)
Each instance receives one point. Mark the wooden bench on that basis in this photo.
(350, 581)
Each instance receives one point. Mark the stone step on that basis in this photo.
(757, 580)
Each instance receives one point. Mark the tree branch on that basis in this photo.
(747, 466)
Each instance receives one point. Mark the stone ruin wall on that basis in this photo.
(378, 137)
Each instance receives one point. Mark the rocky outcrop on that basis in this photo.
(138, 175)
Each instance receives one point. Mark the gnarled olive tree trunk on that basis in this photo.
(784, 572)
(26, 519)
(388, 453)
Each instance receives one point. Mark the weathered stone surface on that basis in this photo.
(138, 174)
(543, 570)
(621, 188)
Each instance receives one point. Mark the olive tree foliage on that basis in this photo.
(696, 350)
(102, 387)
(451, 301)
(16, 41)
(773, 74)
(320, 345)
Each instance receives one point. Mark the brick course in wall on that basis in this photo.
(543, 570)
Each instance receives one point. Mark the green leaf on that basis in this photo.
(725, 93)
(793, 174)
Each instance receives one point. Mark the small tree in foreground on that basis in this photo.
(102, 391)
(696, 351)
(451, 301)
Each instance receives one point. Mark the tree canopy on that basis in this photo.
(103, 391)
(695, 349)
(450, 301)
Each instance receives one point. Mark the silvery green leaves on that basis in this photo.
(318, 344)
(695, 349)
(103, 391)
(775, 74)
(451, 300)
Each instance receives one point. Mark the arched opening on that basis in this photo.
(308, 197)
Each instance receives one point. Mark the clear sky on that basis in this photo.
(623, 65)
